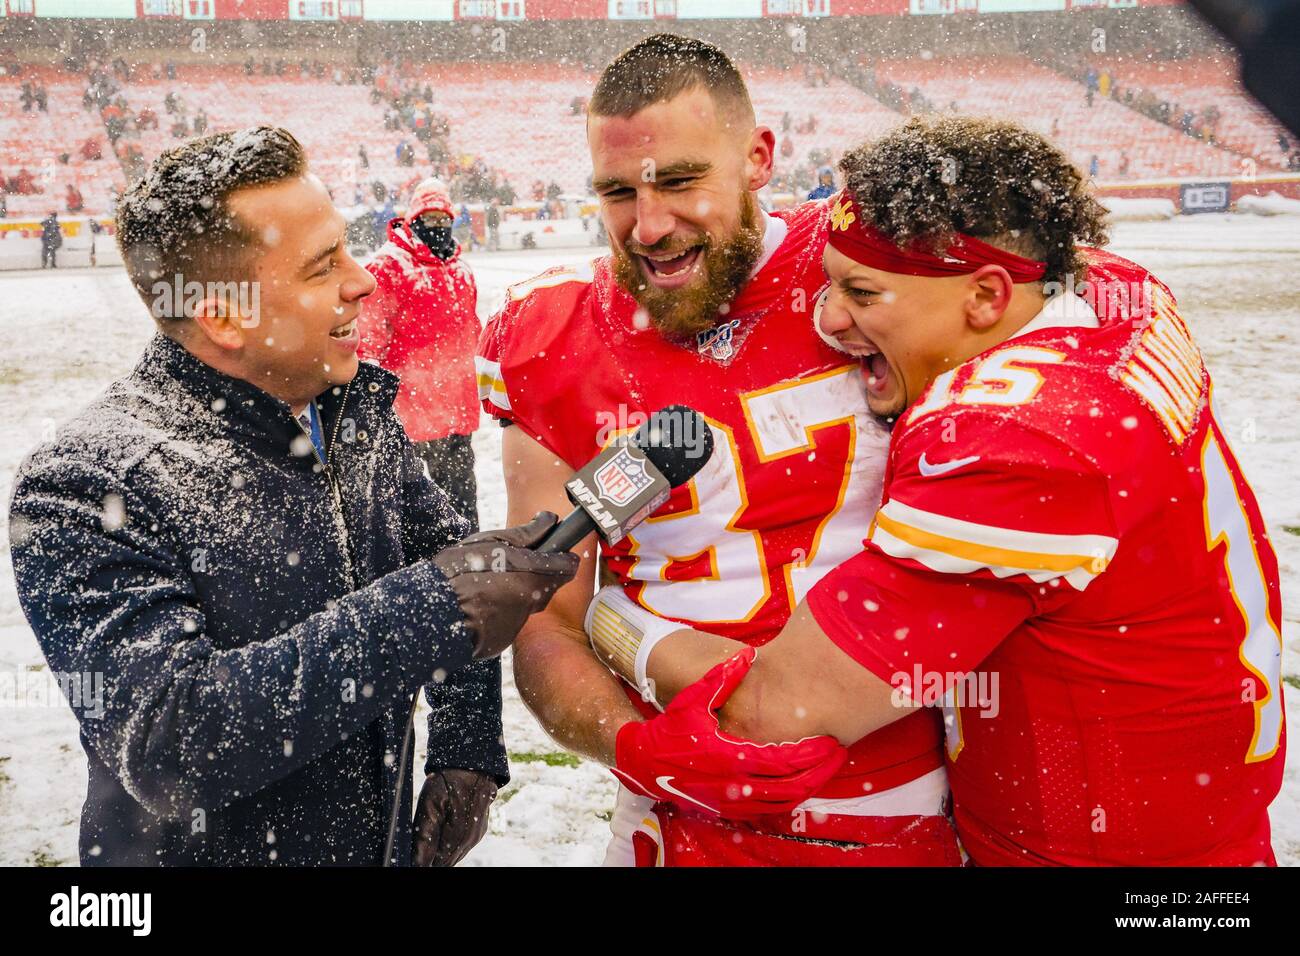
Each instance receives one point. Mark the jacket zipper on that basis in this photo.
(336, 492)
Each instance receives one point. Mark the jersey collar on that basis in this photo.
(774, 233)
(1062, 311)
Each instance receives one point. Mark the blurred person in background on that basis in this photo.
(463, 227)
(422, 325)
(825, 187)
(494, 225)
(51, 240)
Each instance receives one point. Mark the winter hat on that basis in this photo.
(430, 196)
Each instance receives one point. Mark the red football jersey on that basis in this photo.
(1068, 553)
(798, 459)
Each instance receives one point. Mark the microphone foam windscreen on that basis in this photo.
(678, 442)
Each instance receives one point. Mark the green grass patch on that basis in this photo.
(550, 758)
(1292, 680)
(1291, 529)
(42, 858)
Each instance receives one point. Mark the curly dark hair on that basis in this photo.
(988, 178)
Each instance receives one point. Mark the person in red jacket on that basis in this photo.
(422, 324)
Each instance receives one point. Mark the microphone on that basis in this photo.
(630, 479)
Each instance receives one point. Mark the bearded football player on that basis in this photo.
(704, 300)
(1063, 521)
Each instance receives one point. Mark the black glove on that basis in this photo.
(499, 582)
(452, 815)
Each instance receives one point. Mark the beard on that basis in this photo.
(724, 266)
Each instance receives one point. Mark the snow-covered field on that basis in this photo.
(67, 336)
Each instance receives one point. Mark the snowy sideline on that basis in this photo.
(72, 333)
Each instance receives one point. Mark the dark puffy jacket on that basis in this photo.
(259, 621)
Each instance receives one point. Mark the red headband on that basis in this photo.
(851, 235)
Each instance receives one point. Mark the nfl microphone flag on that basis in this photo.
(618, 490)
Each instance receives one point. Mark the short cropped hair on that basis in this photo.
(662, 67)
(992, 179)
(176, 220)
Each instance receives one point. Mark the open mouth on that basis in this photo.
(878, 373)
(344, 332)
(670, 269)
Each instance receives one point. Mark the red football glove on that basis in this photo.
(683, 756)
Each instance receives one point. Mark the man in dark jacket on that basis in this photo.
(51, 240)
(237, 549)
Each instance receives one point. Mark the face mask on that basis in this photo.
(437, 238)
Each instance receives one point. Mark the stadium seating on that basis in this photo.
(846, 116)
(518, 118)
(36, 140)
(1014, 88)
(1244, 126)
(331, 121)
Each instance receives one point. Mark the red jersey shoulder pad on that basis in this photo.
(536, 313)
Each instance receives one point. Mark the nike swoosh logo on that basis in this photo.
(666, 783)
(943, 467)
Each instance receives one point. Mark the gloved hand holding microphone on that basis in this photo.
(500, 580)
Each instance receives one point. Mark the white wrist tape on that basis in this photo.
(623, 632)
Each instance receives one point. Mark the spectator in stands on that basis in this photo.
(27, 97)
(787, 147)
(24, 184)
(494, 225)
(422, 324)
(73, 200)
(1094, 166)
(42, 99)
(507, 194)
(362, 157)
(146, 119)
(1123, 164)
(200, 122)
(4, 203)
(51, 240)
(825, 184)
